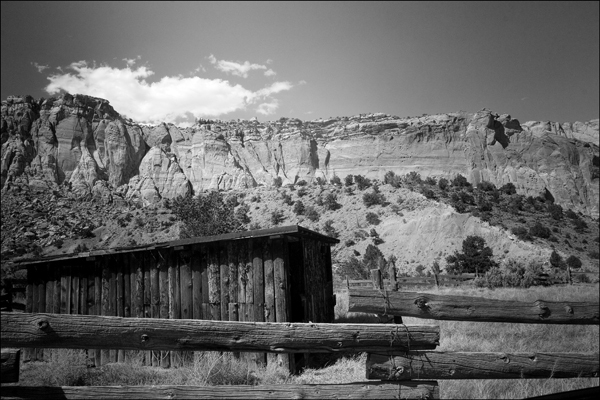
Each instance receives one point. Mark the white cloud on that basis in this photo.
(39, 67)
(270, 72)
(302, 82)
(234, 68)
(171, 98)
(131, 61)
(268, 108)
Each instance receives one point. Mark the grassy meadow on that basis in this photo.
(68, 367)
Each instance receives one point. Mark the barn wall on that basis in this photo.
(235, 280)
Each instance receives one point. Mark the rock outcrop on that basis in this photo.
(81, 140)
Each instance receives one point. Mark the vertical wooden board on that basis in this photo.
(242, 251)
(154, 266)
(249, 268)
(196, 284)
(27, 353)
(204, 276)
(329, 296)
(35, 303)
(42, 288)
(105, 308)
(75, 289)
(50, 278)
(214, 285)
(56, 271)
(173, 308)
(124, 260)
(119, 294)
(66, 300)
(113, 295)
(269, 283)
(280, 284)
(83, 287)
(258, 284)
(269, 308)
(148, 264)
(177, 285)
(308, 279)
(224, 281)
(232, 263)
(185, 284)
(163, 287)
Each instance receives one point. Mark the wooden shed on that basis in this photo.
(274, 275)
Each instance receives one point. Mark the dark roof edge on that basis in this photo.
(294, 230)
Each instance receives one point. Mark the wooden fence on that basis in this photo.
(402, 361)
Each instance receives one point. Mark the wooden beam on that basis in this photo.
(464, 365)
(360, 390)
(109, 332)
(10, 360)
(463, 308)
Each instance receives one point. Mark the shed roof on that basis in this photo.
(291, 230)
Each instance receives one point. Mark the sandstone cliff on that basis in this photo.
(81, 141)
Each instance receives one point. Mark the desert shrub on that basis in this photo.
(329, 230)
(580, 225)
(349, 191)
(205, 215)
(483, 205)
(301, 192)
(430, 180)
(348, 180)
(539, 230)
(362, 182)
(508, 188)
(377, 241)
(555, 211)
(486, 186)
(460, 181)
(571, 214)
(514, 274)
(320, 181)
(443, 183)
(336, 180)
(349, 243)
(557, 261)
(277, 182)
(521, 233)
(573, 262)
(475, 257)
(299, 208)
(139, 222)
(319, 200)
(594, 255)
(277, 217)
(353, 268)
(301, 182)
(373, 198)
(396, 209)
(372, 218)
(466, 198)
(459, 206)
(419, 269)
(428, 193)
(241, 214)
(255, 198)
(311, 214)
(392, 179)
(331, 202)
(373, 233)
(413, 177)
(287, 199)
(80, 248)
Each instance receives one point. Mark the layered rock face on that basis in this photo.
(83, 142)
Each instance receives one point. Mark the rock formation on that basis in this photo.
(83, 142)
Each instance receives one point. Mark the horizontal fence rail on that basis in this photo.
(360, 390)
(463, 308)
(464, 365)
(104, 332)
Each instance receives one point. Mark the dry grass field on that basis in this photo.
(68, 367)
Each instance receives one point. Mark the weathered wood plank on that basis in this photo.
(57, 331)
(249, 269)
(258, 275)
(232, 257)
(204, 277)
(163, 285)
(119, 294)
(154, 298)
(269, 308)
(242, 253)
(185, 283)
(463, 308)
(464, 365)
(196, 285)
(112, 294)
(97, 305)
(359, 390)
(83, 291)
(10, 361)
(75, 272)
(224, 281)
(105, 308)
(56, 295)
(282, 312)
(29, 353)
(214, 284)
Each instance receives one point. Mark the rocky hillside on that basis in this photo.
(82, 143)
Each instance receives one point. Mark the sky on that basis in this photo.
(178, 61)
